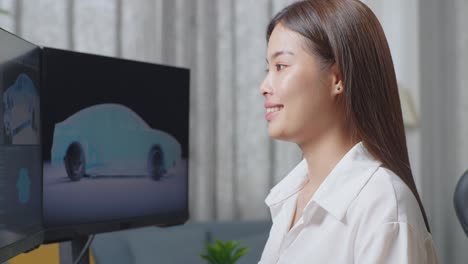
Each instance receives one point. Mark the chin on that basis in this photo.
(292, 134)
(277, 133)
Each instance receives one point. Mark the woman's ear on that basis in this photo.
(337, 86)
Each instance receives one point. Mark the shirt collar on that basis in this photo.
(339, 188)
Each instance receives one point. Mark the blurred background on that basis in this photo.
(233, 161)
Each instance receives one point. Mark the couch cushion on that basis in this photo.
(175, 245)
(255, 243)
(237, 230)
(112, 248)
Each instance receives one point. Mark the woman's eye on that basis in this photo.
(280, 67)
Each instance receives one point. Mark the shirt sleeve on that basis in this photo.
(394, 242)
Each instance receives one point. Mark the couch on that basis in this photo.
(178, 244)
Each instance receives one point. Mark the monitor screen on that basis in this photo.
(115, 144)
(20, 153)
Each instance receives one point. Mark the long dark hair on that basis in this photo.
(348, 34)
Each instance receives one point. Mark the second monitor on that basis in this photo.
(115, 144)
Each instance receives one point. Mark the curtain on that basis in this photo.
(444, 148)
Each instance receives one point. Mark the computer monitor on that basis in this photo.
(20, 152)
(115, 144)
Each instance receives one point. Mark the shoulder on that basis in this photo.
(388, 223)
(385, 199)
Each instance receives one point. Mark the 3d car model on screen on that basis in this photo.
(112, 140)
(21, 111)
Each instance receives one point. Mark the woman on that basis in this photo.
(331, 89)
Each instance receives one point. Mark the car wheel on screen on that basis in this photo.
(156, 163)
(75, 162)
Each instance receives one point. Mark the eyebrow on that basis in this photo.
(279, 53)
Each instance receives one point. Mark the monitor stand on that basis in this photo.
(77, 245)
(70, 250)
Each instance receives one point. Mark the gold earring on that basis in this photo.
(338, 88)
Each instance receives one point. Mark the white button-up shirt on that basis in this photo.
(361, 213)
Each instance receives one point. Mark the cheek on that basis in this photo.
(290, 86)
(299, 92)
(306, 101)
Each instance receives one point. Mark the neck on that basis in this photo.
(324, 153)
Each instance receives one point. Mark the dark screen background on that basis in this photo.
(158, 94)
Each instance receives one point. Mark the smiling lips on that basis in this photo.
(272, 110)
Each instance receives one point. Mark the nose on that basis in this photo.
(265, 87)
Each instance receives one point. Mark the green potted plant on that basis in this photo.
(224, 253)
